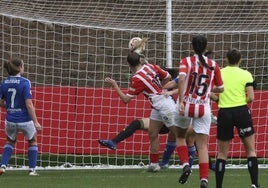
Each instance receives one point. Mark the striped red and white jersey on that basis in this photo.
(147, 80)
(198, 84)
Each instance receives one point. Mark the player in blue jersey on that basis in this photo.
(16, 97)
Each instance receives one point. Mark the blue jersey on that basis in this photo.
(15, 90)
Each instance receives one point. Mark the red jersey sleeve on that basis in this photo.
(161, 72)
(218, 79)
(183, 66)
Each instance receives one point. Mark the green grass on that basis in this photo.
(122, 178)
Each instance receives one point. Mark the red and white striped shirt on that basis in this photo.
(147, 80)
(199, 82)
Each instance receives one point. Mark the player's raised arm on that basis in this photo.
(125, 98)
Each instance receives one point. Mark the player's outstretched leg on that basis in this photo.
(125, 133)
(130, 130)
(108, 143)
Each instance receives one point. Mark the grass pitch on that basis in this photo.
(122, 178)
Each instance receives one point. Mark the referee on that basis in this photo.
(234, 112)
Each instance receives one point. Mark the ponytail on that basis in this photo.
(199, 43)
(13, 67)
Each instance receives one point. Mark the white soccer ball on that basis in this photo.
(137, 45)
(133, 43)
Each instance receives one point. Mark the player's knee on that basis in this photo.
(32, 141)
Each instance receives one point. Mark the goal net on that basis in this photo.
(70, 46)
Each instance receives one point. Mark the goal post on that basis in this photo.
(69, 47)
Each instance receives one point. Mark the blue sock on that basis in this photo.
(6, 155)
(170, 147)
(32, 156)
(191, 153)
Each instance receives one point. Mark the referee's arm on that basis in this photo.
(249, 93)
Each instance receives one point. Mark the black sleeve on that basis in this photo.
(254, 84)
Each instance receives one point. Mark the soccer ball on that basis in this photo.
(137, 44)
(133, 43)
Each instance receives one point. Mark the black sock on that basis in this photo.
(128, 131)
(253, 169)
(219, 172)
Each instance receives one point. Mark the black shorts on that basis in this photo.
(239, 117)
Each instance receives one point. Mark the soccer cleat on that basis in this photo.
(2, 171)
(254, 186)
(186, 172)
(204, 184)
(108, 143)
(153, 167)
(33, 173)
(164, 166)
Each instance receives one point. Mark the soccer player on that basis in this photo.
(16, 97)
(190, 140)
(234, 112)
(137, 45)
(143, 124)
(198, 74)
(148, 80)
